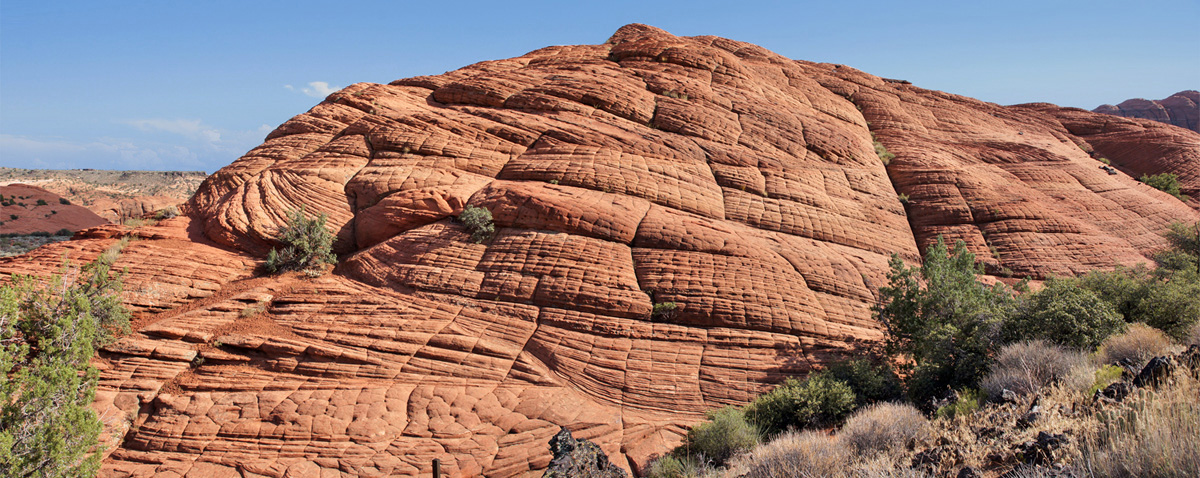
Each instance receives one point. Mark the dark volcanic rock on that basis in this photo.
(579, 458)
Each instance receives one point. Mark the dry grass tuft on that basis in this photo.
(800, 454)
(1026, 367)
(884, 427)
(1139, 343)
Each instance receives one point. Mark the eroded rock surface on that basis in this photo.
(738, 184)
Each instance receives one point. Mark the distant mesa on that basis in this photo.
(114, 195)
(1180, 109)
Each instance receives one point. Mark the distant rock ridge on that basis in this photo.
(1180, 109)
(113, 195)
(742, 186)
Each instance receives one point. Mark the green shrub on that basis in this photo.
(1173, 305)
(1165, 182)
(966, 404)
(64, 232)
(1105, 376)
(1104, 160)
(664, 311)
(943, 319)
(884, 427)
(64, 201)
(13, 217)
(166, 213)
(49, 331)
(675, 467)
(814, 402)
(1123, 288)
(42, 202)
(478, 221)
(1185, 242)
(307, 244)
(881, 151)
(1063, 313)
(870, 382)
(1026, 367)
(727, 433)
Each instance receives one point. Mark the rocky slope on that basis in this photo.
(113, 195)
(741, 185)
(27, 209)
(1180, 109)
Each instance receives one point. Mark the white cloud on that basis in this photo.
(316, 89)
(189, 128)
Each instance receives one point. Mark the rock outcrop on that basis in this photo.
(1180, 109)
(740, 185)
(26, 209)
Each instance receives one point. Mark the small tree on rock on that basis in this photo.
(307, 245)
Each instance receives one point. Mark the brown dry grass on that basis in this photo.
(1139, 343)
(884, 427)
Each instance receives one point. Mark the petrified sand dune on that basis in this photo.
(741, 185)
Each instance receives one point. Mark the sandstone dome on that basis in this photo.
(741, 185)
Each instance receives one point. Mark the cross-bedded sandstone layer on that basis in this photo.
(741, 185)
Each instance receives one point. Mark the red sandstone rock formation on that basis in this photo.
(741, 185)
(1180, 109)
(23, 214)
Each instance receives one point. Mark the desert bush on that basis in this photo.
(1172, 305)
(1063, 313)
(1194, 335)
(675, 467)
(943, 319)
(1185, 240)
(727, 433)
(881, 151)
(1150, 434)
(966, 404)
(1123, 287)
(64, 201)
(799, 454)
(664, 311)
(1139, 343)
(64, 232)
(1026, 367)
(42, 202)
(478, 221)
(1104, 376)
(307, 244)
(871, 382)
(815, 401)
(1165, 182)
(49, 331)
(166, 213)
(883, 427)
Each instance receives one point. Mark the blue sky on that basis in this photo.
(193, 85)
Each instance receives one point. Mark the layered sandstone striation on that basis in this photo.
(1180, 109)
(738, 184)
